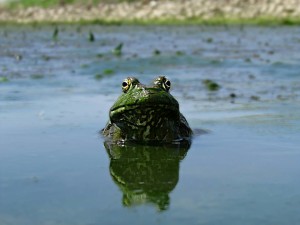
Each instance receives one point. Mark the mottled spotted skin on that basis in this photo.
(147, 114)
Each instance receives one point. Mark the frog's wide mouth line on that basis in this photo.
(144, 117)
(140, 109)
(134, 113)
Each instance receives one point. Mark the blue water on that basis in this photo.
(55, 169)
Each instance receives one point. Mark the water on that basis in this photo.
(56, 169)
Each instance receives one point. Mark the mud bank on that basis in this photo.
(172, 11)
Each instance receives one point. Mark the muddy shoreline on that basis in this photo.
(172, 11)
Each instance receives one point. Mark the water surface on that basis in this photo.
(55, 94)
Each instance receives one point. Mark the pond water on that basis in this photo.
(55, 94)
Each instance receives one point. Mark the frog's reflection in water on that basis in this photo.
(145, 174)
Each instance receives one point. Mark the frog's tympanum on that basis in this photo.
(147, 114)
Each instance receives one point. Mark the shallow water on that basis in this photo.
(56, 169)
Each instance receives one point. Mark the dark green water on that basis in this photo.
(55, 95)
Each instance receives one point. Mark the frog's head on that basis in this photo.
(146, 113)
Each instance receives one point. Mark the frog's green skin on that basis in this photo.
(147, 114)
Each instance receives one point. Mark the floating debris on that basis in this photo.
(282, 98)
(156, 52)
(232, 95)
(255, 98)
(216, 61)
(118, 50)
(135, 55)
(98, 76)
(211, 85)
(209, 40)
(248, 60)
(46, 57)
(34, 179)
(18, 57)
(251, 76)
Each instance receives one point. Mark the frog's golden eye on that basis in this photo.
(125, 85)
(167, 84)
(163, 83)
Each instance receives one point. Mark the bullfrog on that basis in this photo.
(147, 114)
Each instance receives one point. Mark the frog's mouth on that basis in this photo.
(143, 115)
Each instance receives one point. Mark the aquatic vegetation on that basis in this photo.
(84, 66)
(37, 76)
(3, 79)
(211, 85)
(108, 71)
(78, 29)
(179, 53)
(105, 73)
(91, 37)
(118, 50)
(209, 40)
(55, 34)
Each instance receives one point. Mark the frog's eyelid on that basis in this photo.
(133, 80)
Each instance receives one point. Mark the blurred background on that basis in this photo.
(233, 11)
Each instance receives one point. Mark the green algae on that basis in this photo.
(211, 85)
(3, 79)
(118, 50)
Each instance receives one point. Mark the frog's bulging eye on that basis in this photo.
(128, 82)
(163, 83)
(125, 85)
(167, 84)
